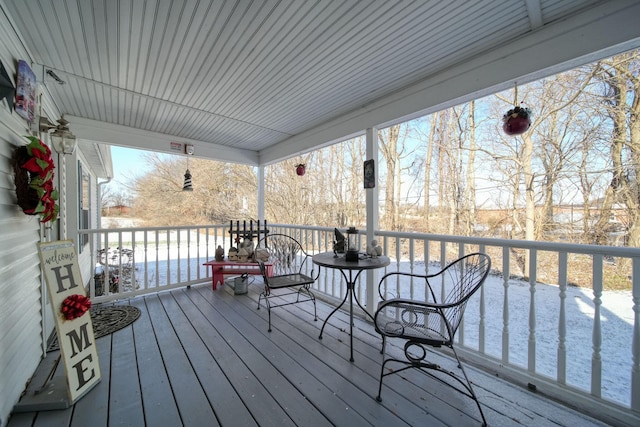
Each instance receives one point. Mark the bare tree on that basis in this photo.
(470, 217)
(621, 95)
(220, 192)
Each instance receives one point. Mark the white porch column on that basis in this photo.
(261, 193)
(371, 152)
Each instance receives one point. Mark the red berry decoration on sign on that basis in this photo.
(75, 306)
(300, 169)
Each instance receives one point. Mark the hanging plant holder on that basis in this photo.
(516, 121)
(301, 169)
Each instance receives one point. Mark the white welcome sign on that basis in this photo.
(75, 337)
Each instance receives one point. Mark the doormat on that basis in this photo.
(106, 320)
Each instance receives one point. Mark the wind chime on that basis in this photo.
(187, 186)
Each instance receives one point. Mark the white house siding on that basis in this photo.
(20, 286)
(21, 334)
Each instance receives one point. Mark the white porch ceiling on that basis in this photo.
(258, 81)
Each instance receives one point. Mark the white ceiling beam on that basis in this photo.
(124, 136)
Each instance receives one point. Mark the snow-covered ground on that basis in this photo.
(616, 317)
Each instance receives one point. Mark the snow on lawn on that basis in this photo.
(616, 316)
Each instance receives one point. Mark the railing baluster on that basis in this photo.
(157, 244)
(120, 275)
(481, 322)
(188, 255)
(460, 336)
(443, 263)
(134, 278)
(398, 259)
(506, 273)
(169, 282)
(411, 266)
(146, 259)
(596, 357)
(427, 295)
(531, 356)
(179, 267)
(561, 370)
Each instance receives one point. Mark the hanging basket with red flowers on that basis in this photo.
(75, 306)
(33, 167)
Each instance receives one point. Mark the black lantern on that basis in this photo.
(352, 241)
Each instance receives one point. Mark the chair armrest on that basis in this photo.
(383, 295)
(410, 302)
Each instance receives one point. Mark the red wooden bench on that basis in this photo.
(220, 268)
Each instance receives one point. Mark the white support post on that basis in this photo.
(372, 215)
(261, 212)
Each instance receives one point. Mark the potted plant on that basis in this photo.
(33, 167)
(516, 121)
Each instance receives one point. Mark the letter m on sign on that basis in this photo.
(79, 341)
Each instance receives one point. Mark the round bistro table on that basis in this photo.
(350, 271)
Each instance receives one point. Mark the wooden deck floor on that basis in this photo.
(198, 357)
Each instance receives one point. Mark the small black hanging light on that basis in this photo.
(187, 186)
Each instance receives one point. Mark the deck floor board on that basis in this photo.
(327, 360)
(193, 405)
(202, 357)
(158, 403)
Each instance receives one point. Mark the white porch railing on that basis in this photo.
(543, 318)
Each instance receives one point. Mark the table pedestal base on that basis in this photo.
(351, 295)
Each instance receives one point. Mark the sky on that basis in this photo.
(128, 163)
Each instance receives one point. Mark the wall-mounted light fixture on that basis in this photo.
(64, 142)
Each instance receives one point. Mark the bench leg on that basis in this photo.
(217, 277)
